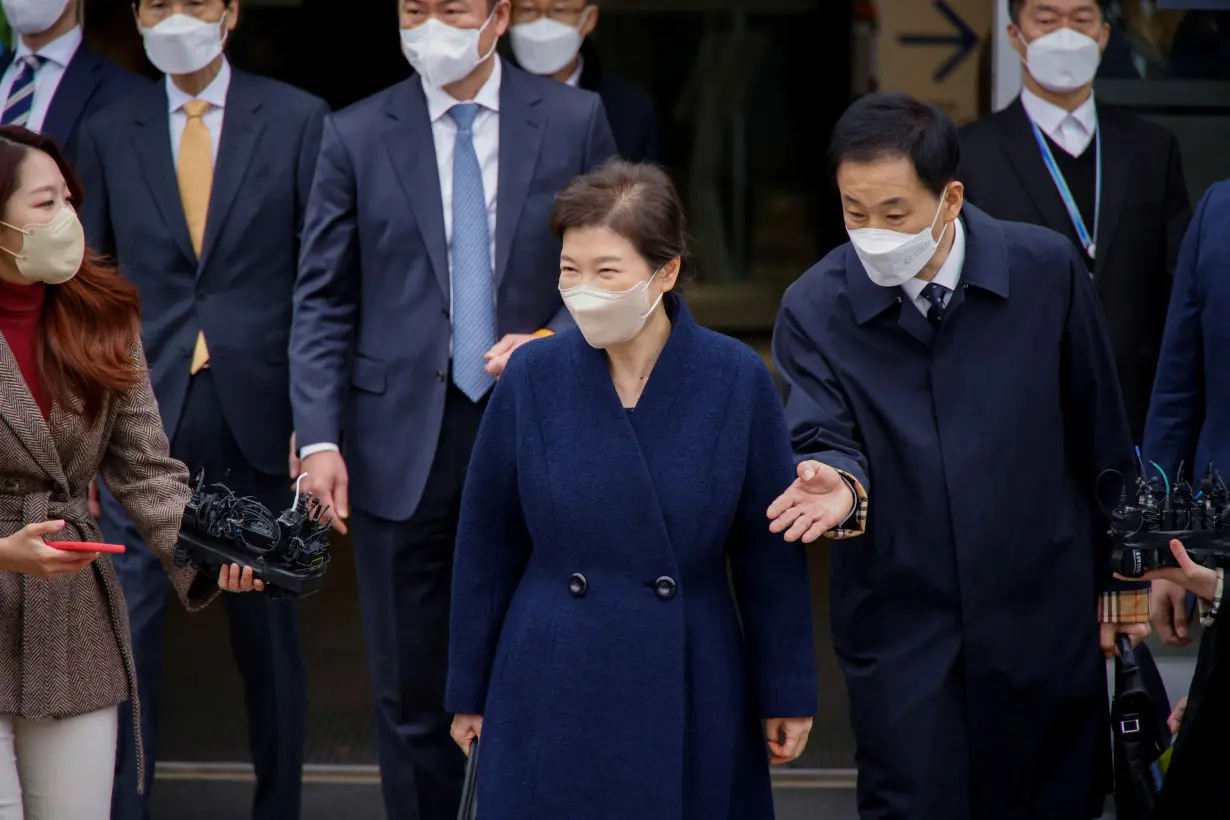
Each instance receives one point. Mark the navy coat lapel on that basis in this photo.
(521, 131)
(153, 149)
(411, 149)
(241, 134)
(81, 79)
(624, 432)
(6, 60)
(1116, 171)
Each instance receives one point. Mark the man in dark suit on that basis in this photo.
(550, 38)
(53, 82)
(1127, 206)
(198, 185)
(427, 259)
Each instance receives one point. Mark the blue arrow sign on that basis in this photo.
(963, 40)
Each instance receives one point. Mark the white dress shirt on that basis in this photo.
(1071, 131)
(486, 146)
(215, 95)
(57, 55)
(575, 79)
(948, 276)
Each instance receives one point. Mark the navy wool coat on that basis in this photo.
(966, 618)
(593, 622)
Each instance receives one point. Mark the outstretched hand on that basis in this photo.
(818, 501)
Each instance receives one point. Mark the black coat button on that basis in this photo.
(577, 585)
(441, 376)
(665, 588)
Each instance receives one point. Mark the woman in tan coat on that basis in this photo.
(75, 401)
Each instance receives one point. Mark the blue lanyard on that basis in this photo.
(1089, 243)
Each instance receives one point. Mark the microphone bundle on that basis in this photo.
(1142, 527)
(289, 552)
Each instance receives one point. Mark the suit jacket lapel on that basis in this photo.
(1025, 158)
(153, 150)
(1116, 170)
(241, 133)
(81, 79)
(521, 131)
(412, 151)
(23, 417)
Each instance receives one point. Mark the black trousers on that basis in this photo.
(405, 571)
(264, 633)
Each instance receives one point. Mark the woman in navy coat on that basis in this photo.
(596, 645)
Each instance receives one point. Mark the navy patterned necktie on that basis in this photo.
(937, 295)
(472, 286)
(21, 96)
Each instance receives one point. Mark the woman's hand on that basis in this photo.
(26, 552)
(1176, 717)
(233, 578)
(1188, 574)
(817, 501)
(466, 729)
(787, 738)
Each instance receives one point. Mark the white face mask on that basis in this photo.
(50, 252)
(182, 45)
(1063, 60)
(443, 54)
(892, 258)
(608, 318)
(545, 46)
(33, 16)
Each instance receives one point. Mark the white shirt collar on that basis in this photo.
(214, 93)
(575, 79)
(439, 101)
(1049, 117)
(949, 274)
(59, 51)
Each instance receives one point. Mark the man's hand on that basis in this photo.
(787, 738)
(1135, 632)
(497, 357)
(1169, 614)
(1176, 717)
(817, 501)
(326, 477)
(294, 466)
(465, 730)
(1188, 574)
(95, 506)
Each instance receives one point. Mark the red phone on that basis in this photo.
(85, 546)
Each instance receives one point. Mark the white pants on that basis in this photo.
(57, 769)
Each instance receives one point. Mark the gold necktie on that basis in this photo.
(196, 179)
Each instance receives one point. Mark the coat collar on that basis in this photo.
(986, 267)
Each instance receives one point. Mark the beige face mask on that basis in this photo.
(51, 252)
(607, 318)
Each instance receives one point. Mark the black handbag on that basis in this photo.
(1139, 738)
(469, 788)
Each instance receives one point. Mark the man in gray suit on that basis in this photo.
(427, 259)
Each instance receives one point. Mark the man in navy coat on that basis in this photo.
(427, 259)
(1190, 410)
(198, 185)
(53, 82)
(959, 369)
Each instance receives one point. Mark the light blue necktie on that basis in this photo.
(21, 96)
(473, 288)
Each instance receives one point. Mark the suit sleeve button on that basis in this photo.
(665, 588)
(577, 585)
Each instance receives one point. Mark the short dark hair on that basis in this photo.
(1015, 6)
(638, 201)
(891, 125)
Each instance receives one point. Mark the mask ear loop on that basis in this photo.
(483, 28)
(21, 231)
